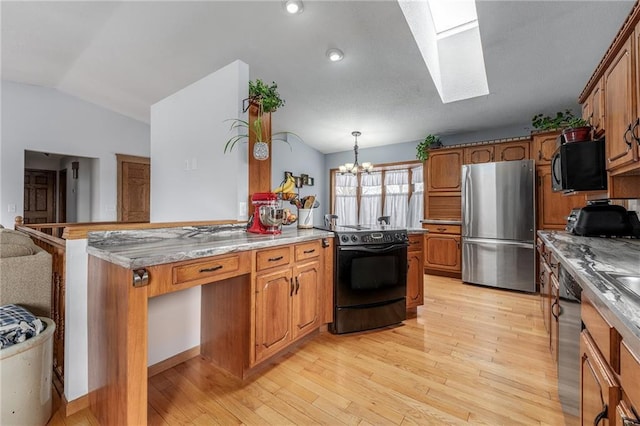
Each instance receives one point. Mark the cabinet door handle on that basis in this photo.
(633, 131)
(309, 251)
(441, 229)
(297, 285)
(539, 155)
(602, 415)
(291, 284)
(502, 156)
(555, 303)
(212, 269)
(275, 259)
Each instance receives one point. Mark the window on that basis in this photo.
(395, 190)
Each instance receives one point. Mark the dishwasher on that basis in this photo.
(570, 326)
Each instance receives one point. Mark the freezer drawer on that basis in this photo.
(497, 263)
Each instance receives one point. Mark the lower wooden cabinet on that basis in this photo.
(443, 252)
(600, 392)
(415, 272)
(288, 301)
(554, 326)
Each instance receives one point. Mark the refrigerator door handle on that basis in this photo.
(524, 244)
(466, 205)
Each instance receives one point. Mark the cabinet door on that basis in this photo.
(274, 292)
(543, 147)
(512, 151)
(306, 298)
(600, 393)
(443, 252)
(545, 286)
(554, 327)
(443, 170)
(415, 279)
(478, 154)
(618, 95)
(553, 207)
(597, 109)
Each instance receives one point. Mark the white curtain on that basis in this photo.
(416, 203)
(346, 199)
(370, 198)
(396, 201)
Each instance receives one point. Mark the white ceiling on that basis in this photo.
(126, 56)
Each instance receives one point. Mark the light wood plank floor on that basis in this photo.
(471, 355)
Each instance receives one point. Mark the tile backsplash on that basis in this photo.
(634, 205)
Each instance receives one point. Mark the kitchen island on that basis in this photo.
(260, 295)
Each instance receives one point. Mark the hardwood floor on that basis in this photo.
(471, 355)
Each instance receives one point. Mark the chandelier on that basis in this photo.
(355, 168)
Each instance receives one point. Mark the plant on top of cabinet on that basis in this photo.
(573, 128)
(431, 141)
(268, 100)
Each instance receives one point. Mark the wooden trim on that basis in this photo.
(450, 274)
(121, 158)
(71, 407)
(171, 362)
(259, 170)
(39, 235)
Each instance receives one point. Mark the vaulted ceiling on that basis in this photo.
(125, 56)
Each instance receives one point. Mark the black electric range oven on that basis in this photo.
(370, 277)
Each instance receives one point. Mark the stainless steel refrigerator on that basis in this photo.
(498, 224)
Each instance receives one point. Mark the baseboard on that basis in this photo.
(168, 363)
(440, 273)
(71, 407)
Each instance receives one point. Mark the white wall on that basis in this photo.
(41, 119)
(192, 179)
(301, 158)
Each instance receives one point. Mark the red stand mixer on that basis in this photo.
(267, 214)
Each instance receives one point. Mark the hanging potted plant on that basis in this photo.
(267, 100)
(574, 129)
(429, 142)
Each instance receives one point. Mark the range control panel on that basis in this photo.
(372, 237)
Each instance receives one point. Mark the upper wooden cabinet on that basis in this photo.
(618, 88)
(553, 207)
(443, 170)
(479, 154)
(512, 151)
(593, 109)
(543, 146)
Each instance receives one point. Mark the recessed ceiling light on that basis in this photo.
(293, 6)
(335, 55)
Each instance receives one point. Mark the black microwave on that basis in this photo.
(579, 166)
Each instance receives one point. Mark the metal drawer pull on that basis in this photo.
(275, 259)
(309, 251)
(140, 278)
(212, 269)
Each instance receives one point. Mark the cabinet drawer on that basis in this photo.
(415, 242)
(604, 335)
(207, 269)
(271, 258)
(441, 229)
(630, 375)
(307, 250)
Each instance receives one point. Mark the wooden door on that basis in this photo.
(442, 252)
(512, 151)
(39, 196)
(600, 392)
(443, 170)
(478, 154)
(274, 292)
(134, 188)
(621, 149)
(415, 277)
(306, 298)
(553, 208)
(62, 196)
(543, 147)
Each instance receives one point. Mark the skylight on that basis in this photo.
(448, 36)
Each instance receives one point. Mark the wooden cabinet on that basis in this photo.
(593, 109)
(479, 154)
(288, 297)
(415, 272)
(553, 207)
(512, 151)
(443, 170)
(544, 284)
(600, 392)
(443, 249)
(543, 146)
(554, 326)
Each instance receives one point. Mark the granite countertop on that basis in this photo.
(441, 222)
(134, 249)
(585, 258)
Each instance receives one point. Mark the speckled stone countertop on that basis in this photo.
(441, 222)
(140, 248)
(585, 258)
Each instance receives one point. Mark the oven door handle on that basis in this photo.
(375, 249)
